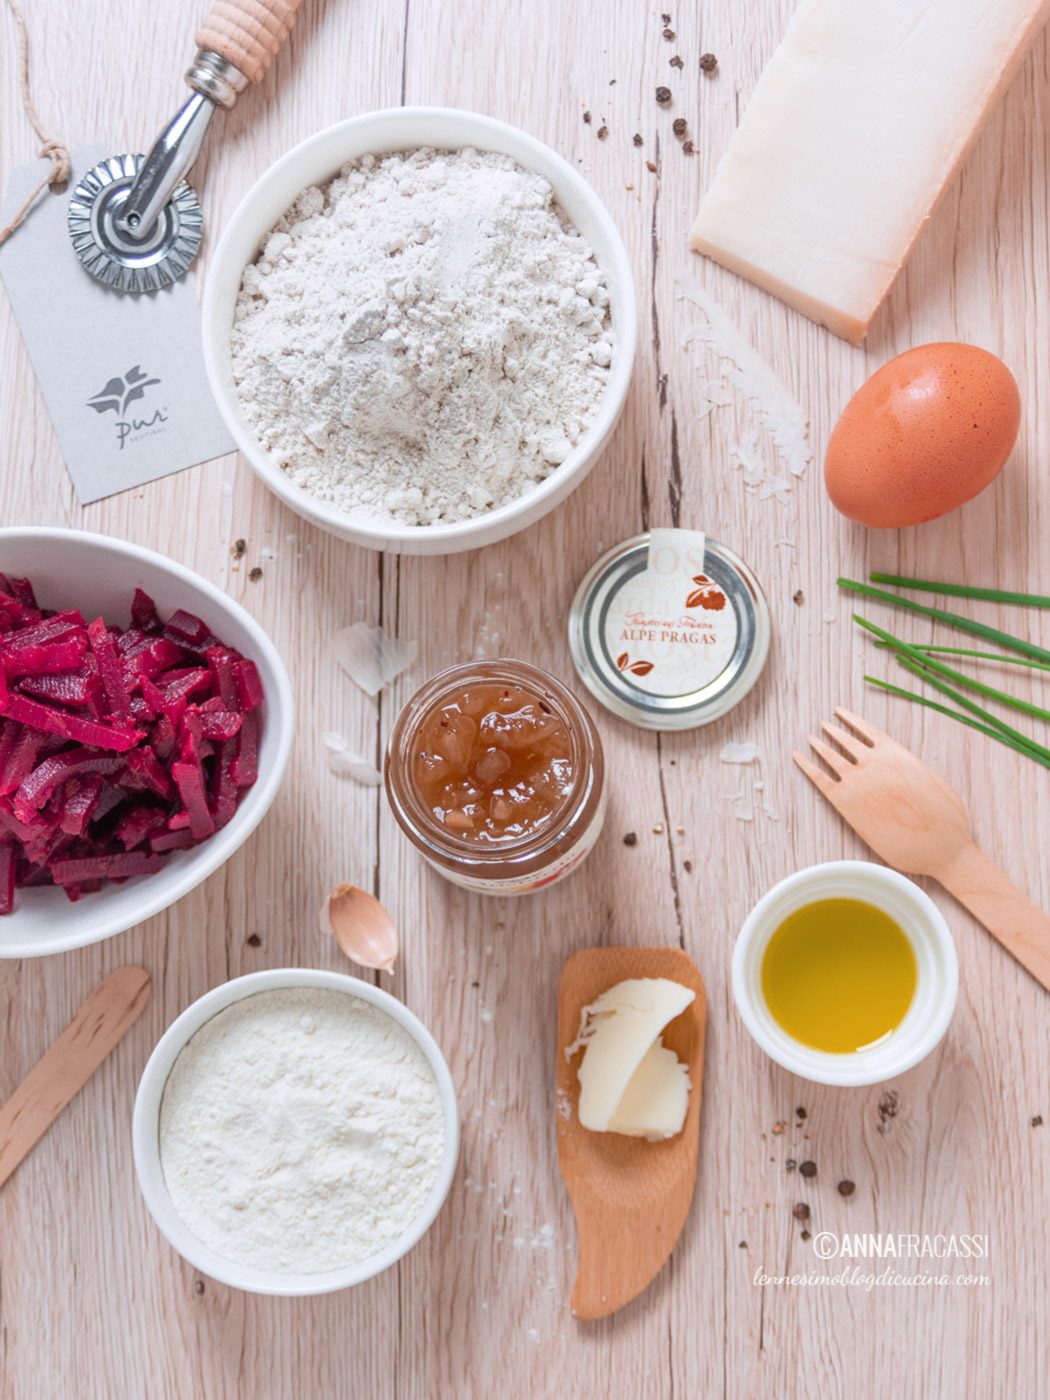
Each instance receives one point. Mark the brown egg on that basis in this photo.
(928, 431)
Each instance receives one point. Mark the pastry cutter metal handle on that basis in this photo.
(135, 224)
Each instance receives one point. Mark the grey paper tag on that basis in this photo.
(122, 376)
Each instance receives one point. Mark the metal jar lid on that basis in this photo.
(669, 629)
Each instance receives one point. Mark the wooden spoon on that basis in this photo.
(630, 1196)
(361, 926)
(63, 1070)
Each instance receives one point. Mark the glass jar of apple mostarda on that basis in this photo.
(495, 773)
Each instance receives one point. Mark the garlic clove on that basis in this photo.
(361, 926)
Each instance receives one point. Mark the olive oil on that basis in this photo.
(839, 975)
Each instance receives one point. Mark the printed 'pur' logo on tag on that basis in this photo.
(118, 394)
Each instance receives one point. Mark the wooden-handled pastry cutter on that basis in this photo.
(135, 223)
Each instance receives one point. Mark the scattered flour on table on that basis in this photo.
(758, 383)
(301, 1130)
(751, 796)
(423, 338)
(740, 752)
(746, 457)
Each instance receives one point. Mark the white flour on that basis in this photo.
(301, 1130)
(745, 370)
(423, 338)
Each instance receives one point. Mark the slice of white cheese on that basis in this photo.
(618, 1030)
(855, 129)
(656, 1098)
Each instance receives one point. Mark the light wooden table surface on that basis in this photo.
(92, 1300)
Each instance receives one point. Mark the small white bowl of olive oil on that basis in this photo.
(846, 973)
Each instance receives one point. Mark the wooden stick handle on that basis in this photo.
(111, 1009)
(248, 33)
(1008, 915)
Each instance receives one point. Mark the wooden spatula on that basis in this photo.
(630, 1197)
(915, 820)
(67, 1065)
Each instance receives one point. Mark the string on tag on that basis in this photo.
(51, 149)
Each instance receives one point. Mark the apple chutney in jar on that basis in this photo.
(495, 773)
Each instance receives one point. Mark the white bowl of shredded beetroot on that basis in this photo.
(145, 724)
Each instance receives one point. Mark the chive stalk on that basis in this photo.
(924, 700)
(964, 590)
(977, 655)
(978, 711)
(956, 620)
(903, 649)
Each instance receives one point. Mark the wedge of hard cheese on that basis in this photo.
(853, 133)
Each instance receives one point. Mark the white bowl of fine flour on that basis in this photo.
(323, 382)
(295, 1132)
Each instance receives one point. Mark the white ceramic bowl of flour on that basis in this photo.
(315, 162)
(258, 1157)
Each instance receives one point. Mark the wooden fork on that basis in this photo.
(915, 820)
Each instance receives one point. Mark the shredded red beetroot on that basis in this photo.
(116, 747)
